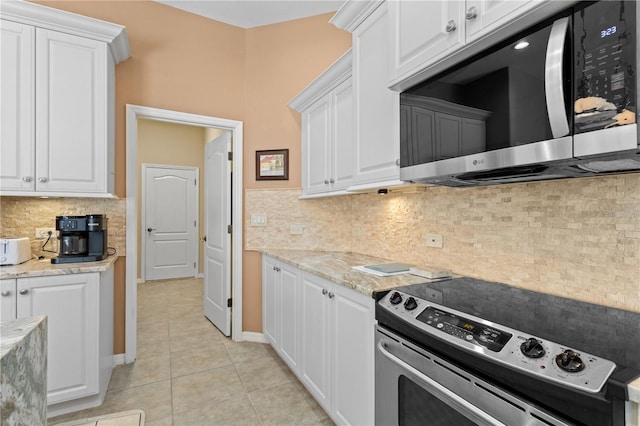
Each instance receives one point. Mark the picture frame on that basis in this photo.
(272, 164)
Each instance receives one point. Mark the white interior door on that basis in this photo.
(170, 221)
(217, 268)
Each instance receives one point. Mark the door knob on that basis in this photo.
(152, 229)
(24, 291)
(451, 26)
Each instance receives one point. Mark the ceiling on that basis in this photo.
(255, 13)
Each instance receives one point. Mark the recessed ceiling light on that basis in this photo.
(521, 45)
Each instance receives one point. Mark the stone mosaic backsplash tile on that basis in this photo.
(574, 238)
(19, 216)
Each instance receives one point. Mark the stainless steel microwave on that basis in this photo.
(558, 100)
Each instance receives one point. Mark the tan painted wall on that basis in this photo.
(282, 60)
(171, 144)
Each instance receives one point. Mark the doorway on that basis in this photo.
(134, 113)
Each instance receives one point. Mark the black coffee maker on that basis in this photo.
(81, 238)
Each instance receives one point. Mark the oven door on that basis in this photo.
(415, 387)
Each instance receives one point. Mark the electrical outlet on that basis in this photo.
(42, 233)
(434, 240)
(258, 219)
(296, 229)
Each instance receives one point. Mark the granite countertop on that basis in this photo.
(44, 267)
(337, 267)
(13, 332)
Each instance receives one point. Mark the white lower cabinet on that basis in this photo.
(79, 308)
(280, 309)
(325, 333)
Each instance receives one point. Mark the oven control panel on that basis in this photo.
(512, 348)
(464, 328)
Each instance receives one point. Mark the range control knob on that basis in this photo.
(570, 361)
(532, 348)
(395, 298)
(410, 304)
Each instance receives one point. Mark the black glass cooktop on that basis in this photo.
(610, 333)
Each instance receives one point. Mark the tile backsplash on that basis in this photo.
(574, 238)
(19, 216)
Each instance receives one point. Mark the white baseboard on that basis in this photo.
(250, 336)
(118, 359)
(140, 281)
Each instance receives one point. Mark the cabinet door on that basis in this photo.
(474, 134)
(71, 110)
(71, 303)
(270, 306)
(317, 142)
(289, 315)
(492, 14)
(315, 362)
(418, 33)
(7, 300)
(17, 139)
(342, 151)
(377, 108)
(352, 336)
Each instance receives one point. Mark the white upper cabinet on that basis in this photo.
(327, 130)
(426, 32)
(17, 129)
(376, 161)
(73, 151)
(423, 31)
(58, 103)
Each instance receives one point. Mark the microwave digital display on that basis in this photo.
(609, 31)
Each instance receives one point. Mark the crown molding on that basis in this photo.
(58, 20)
(353, 12)
(337, 72)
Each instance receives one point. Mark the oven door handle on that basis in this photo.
(553, 79)
(438, 389)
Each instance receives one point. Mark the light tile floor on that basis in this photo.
(188, 373)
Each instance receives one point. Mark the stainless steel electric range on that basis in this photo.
(470, 352)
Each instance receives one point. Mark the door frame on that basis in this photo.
(143, 221)
(135, 112)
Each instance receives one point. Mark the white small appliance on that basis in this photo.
(14, 251)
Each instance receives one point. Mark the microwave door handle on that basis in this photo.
(553, 79)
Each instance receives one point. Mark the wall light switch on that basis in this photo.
(296, 229)
(258, 219)
(434, 240)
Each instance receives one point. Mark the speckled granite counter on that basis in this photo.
(44, 267)
(23, 349)
(337, 267)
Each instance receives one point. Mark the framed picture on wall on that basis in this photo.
(272, 164)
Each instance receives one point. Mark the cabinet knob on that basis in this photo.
(6, 293)
(332, 180)
(27, 178)
(331, 295)
(43, 179)
(451, 26)
(24, 291)
(397, 161)
(472, 13)
(153, 229)
(326, 182)
(325, 291)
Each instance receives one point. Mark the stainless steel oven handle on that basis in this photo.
(553, 79)
(435, 386)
